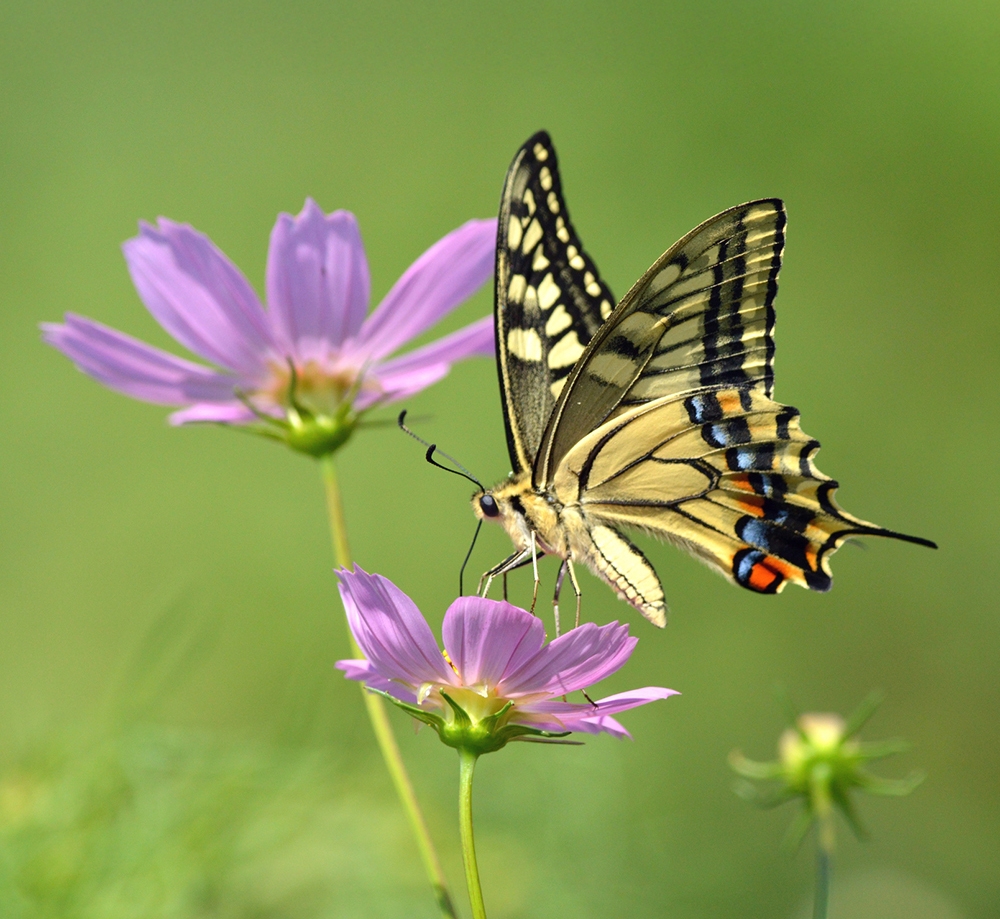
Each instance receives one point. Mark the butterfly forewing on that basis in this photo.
(701, 316)
(550, 299)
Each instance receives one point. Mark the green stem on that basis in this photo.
(467, 765)
(378, 715)
(824, 851)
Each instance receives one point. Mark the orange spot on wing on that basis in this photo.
(730, 403)
(752, 504)
(762, 578)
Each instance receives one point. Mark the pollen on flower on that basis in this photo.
(319, 387)
(449, 661)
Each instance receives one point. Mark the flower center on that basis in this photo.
(477, 705)
(319, 387)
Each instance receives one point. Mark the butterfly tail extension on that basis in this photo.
(770, 494)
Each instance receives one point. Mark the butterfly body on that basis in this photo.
(657, 415)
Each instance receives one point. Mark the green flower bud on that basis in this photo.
(820, 762)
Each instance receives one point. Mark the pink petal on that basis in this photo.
(317, 281)
(401, 386)
(598, 655)
(199, 296)
(609, 705)
(449, 272)
(475, 340)
(577, 659)
(364, 672)
(603, 724)
(593, 719)
(134, 368)
(218, 413)
(482, 637)
(405, 376)
(391, 631)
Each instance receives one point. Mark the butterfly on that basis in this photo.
(656, 414)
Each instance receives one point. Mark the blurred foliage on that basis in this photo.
(149, 822)
(878, 123)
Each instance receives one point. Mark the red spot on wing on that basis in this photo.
(763, 578)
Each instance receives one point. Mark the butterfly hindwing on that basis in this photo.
(550, 299)
(701, 316)
(727, 474)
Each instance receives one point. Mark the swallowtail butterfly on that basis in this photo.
(655, 414)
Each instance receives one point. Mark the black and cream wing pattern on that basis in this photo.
(667, 425)
(657, 415)
(550, 299)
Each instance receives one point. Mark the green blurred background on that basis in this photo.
(174, 739)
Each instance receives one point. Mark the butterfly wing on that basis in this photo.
(701, 316)
(725, 473)
(550, 299)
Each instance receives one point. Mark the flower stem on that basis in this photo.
(824, 850)
(467, 765)
(377, 712)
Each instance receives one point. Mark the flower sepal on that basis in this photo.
(320, 435)
(477, 736)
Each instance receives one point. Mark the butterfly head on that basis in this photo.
(503, 503)
(521, 511)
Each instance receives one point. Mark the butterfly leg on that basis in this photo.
(555, 598)
(576, 590)
(515, 560)
(534, 568)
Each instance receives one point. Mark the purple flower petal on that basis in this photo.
(199, 296)
(475, 340)
(483, 636)
(405, 376)
(449, 272)
(603, 724)
(578, 658)
(598, 656)
(317, 281)
(400, 386)
(390, 630)
(364, 672)
(609, 705)
(218, 413)
(593, 719)
(132, 367)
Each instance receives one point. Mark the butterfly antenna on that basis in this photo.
(468, 555)
(432, 448)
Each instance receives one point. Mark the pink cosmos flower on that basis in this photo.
(314, 351)
(497, 679)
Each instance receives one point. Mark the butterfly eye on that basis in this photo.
(488, 505)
